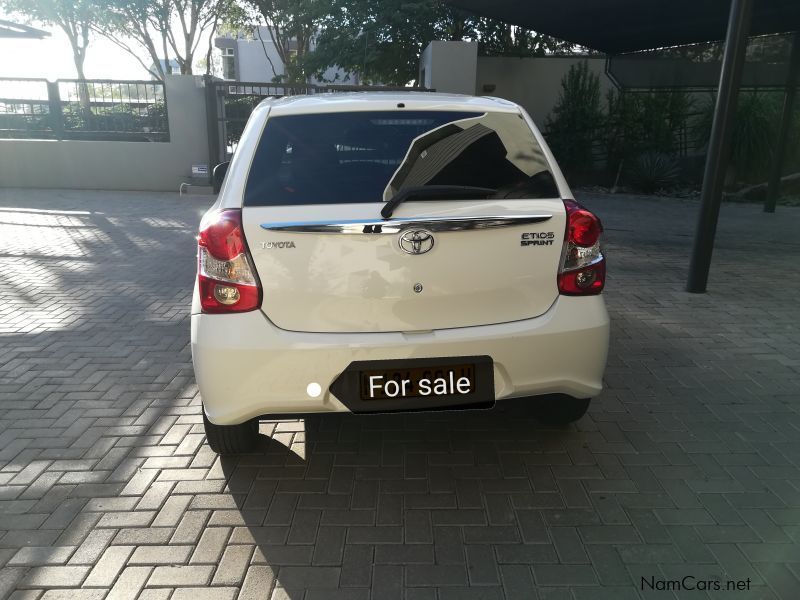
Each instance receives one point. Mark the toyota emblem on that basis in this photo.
(416, 241)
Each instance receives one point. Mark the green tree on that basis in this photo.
(576, 119)
(139, 28)
(381, 40)
(291, 26)
(75, 18)
(502, 39)
(160, 28)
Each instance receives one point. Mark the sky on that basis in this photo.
(51, 58)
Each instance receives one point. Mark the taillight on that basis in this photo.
(225, 275)
(583, 266)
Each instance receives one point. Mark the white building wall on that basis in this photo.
(533, 83)
(449, 67)
(255, 57)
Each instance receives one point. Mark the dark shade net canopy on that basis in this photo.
(616, 26)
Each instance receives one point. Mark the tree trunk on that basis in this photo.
(79, 60)
(186, 67)
(79, 56)
(167, 64)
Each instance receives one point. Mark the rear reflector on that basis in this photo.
(584, 282)
(583, 266)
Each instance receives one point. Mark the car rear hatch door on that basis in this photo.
(335, 265)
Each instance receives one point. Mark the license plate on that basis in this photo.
(420, 382)
(416, 384)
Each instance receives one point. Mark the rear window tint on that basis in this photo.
(332, 158)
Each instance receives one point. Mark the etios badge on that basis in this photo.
(416, 241)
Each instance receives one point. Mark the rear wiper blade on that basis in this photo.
(433, 192)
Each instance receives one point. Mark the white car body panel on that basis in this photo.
(332, 282)
(246, 367)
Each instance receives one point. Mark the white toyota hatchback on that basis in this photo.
(377, 252)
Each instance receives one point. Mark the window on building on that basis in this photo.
(228, 63)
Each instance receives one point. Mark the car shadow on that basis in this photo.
(374, 503)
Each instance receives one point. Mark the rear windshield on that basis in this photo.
(347, 157)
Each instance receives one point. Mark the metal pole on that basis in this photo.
(212, 124)
(774, 186)
(719, 144)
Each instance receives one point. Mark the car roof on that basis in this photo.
(364, 101)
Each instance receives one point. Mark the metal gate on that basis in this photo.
(229, 104)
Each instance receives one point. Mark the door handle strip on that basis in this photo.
(391, 226)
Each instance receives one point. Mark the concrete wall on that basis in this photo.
(449, 67)
(117, 165)
(533, 83)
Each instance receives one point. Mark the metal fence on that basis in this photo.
(229, 104)
(83, 109)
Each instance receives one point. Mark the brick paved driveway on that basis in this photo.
(688, 464)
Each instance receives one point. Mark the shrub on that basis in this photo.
(652, 171)
(576, 118)
(645, 122)
(754, 131)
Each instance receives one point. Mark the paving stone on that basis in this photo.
(80, 594)
(471, 593)
(380, 534)
(329, 547)
(481, 566)
(609, 534)
(568, 545)
(172, 511)
(217, 593)
(211, 545)
(564, 575)
(436, 575)
(279, 555)
(387, 582)
(160, 555)
(137, 537)
(41, 555)
(232, 566)
(193, 575)
(55, 577)
(9, 578)
(258, 582)
(356, 570)
(108, 567)
(309, 577)
(517, 580)
(403, 554)
(129, 584)
(190, 527)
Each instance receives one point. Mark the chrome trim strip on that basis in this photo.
(392, 226)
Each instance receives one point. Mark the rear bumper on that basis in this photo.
(246, 367)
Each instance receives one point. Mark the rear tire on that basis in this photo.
(560, 409)
(231, 439)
